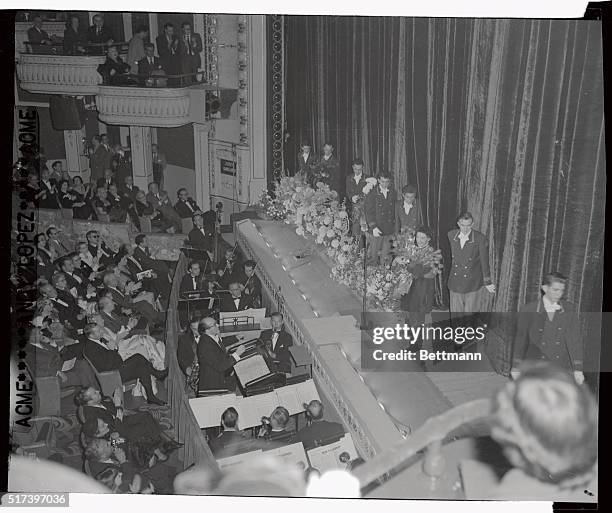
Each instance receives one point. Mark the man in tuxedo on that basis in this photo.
(149, 63)
(279, 342)
(99, 160)
(318, 429)
(160, 201)
(251, 283)
(190, 49)
(549, 329)
(201, 237)
(307, 163)
(124, 300)
(328, 169)
(128, 190)
(76, 282)
(98, 35)
(50, 198)
(168, 50)
(229, 269)
(98, 248)
(380, 217)
(186, 207)
(187, 347)
(162, 274)
(408, 215)
(70, 314)
(236, 302)
(216, 365)
(230, 435)
(104, 357)
(470, 266)
(106, 180)
(56, 245)
(193, 281)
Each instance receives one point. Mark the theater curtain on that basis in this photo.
(500, 117)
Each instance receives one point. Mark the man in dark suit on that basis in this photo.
(48, 185)
(319, 430)
(380, 217)
(193, 281)
(230, 435)
(229, 269)
(251, 283)
(143, 256)
(98, 248)
(39, 40)
(149, 63)
(187, 347)
(98, 35)
(99, 160)
(236, 302)
(470, 266)
(328, 169)
(124, 301)
(168, 50)
(107, 179)
(186, 207)
(201, 236)
(307, 163)
(69, 315)
(408, 215)
(112, 320)
(216, 365)
(279, 342)
(158, 200)
(104, 357)
(128, 190)
(549, 329)
(74, 279)
(189, 51)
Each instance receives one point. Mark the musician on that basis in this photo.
(275, 426)
(236, 302)
(278, 342)
(187, 353)
(252, 284)
(230, 434)
(228, 270)
(193, 281)
(215, 364)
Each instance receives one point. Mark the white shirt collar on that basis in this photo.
(549, 306)
(357, 177)
(465, 236)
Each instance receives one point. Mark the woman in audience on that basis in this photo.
(70, 199)
(117, 212)
(33, 192)
(79, 188)
(547, 427)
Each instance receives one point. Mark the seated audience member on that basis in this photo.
(69, 312)
(114, 71)
(230, 433)
(72, 200)
(79, 188)
(116, 322)
(107, 180)
(144, 209)
(44, 256)
(202, 234)
(56, 172)
(186, 207)
(229, 269)
(83, 270)
(72, 312)
(77, 283)
(90, 265)
(159, 201)
(128, 190)
(98, 35)
(149, 65)
(33, 193)
(49, 186)
(187, 353)
(318, 430)
(98, 248)
(162, 276)
(547, 426)
(102, 205)
(274, 427)
(104, 357)
(215, 363)
(75, 40)
(122, 297)
(46, 359)
(236, 301)
(278, 342)
(118, 212)
(251, 283)
(54, 242)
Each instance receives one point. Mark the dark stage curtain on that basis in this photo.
(500, 117)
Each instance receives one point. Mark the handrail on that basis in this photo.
(429, 435)
(195, 450)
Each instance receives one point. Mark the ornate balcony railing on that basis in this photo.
(59, 74)
(141, 106)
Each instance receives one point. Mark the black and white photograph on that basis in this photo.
(305, 255)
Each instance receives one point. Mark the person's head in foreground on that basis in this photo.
(547, 426)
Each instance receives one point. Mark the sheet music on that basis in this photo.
(251, 368)
(68, 364)
(208, 410)
(307, 391)
(333, 456)
(234, 461)
(252, 409)
(288, 397)
(293, 454)
(259, 314)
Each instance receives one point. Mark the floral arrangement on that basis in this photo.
(318, 214)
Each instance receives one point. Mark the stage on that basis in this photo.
(377, 407)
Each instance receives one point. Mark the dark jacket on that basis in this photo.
(98, 162)
(215, 365)
(72, 40)
(412, 220)
(380, 211)
(194, 52)
(145, 68)
(183, 209)
(103, 37)
(330, 167)
(187, 284)
(320, 430)
(309, 167)
(201, 241)
(283, 343)
(352, 188)
(228, 304)
(470, 264)
(559, 340)
(102, 359)
(186, 350)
